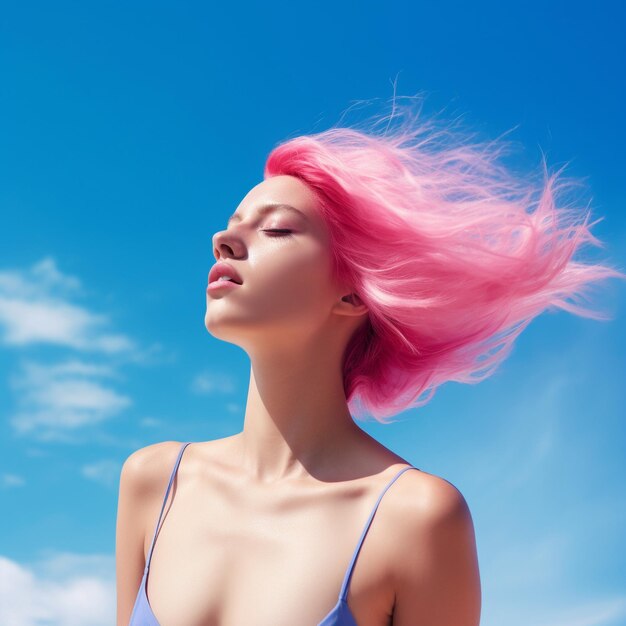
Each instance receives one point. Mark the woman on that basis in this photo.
(364, 270)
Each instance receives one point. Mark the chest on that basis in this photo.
(222, 558)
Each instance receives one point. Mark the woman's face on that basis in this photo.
(286, 295)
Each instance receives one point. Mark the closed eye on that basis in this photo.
(279, 231)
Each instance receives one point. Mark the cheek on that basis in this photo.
(298, 278)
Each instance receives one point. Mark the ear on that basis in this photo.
(351, 304)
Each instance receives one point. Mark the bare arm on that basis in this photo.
(129, 536)
(438, 577)
(143, 480)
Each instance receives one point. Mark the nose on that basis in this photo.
(221, 246)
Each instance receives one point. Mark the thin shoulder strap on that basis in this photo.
(346, 580)
(169, 485)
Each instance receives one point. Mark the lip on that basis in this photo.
(218, 285)
(221, 268)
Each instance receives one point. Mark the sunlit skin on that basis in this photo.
(263, 524)
(294, 324)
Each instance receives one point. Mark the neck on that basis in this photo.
(297, 423)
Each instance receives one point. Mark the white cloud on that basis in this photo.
(528, 564)
(604, 612)
(57, 399)
(43, 276)
(212, 382)
(36, 309)
(150, 422)
(525, 434)
(534, 438)
(35, 452)
(11, 480)
(105, 472)
(583, 610)
(63, 589)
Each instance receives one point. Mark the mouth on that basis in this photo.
(219, 285)
(224, 272)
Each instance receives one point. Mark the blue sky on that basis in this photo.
(130, 131)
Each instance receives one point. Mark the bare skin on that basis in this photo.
(262, 524)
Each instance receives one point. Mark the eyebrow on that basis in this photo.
(269, 208)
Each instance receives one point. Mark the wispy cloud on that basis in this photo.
(150, 422)
(583, 610)
(106, 472)
(62, 589)
(535, 425)
(11, 480)
(35, 309)
(57, 399)
(38, 307)
(212, 382)
(526, 565)
(603, 612)
(524, 433)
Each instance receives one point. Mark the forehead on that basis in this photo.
(282, 190)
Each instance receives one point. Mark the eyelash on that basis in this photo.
(283, 231)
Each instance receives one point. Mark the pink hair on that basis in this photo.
(438, 242)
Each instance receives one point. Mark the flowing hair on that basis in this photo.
(452, 254)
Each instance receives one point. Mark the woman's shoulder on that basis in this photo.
(435, 554)
(147, 469)
(425, 499)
